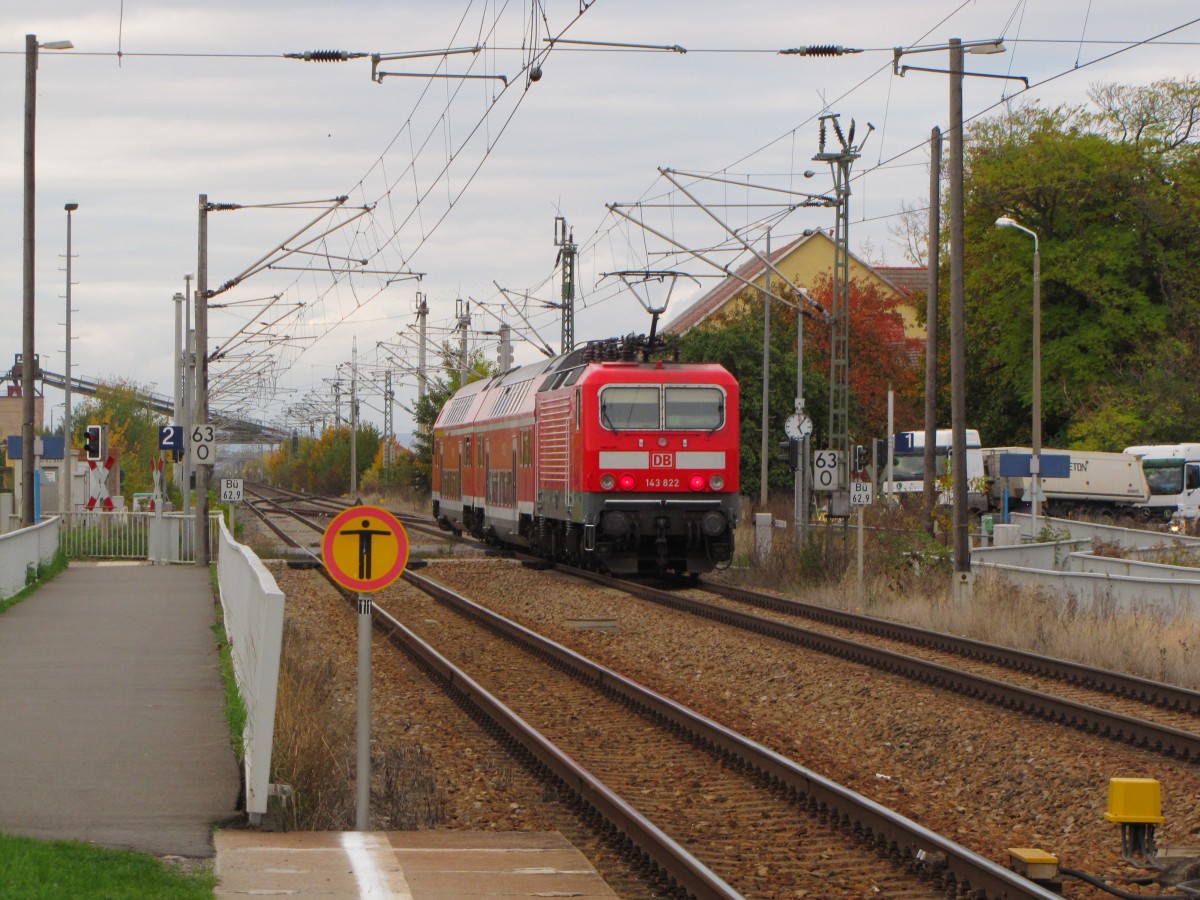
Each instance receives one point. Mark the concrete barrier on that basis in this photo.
(1071, 573)
(25, 547)
(253, 606)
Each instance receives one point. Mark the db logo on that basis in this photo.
(662, 460)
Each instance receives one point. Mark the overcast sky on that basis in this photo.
(161, 101)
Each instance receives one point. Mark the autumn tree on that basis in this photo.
(124, 407)
(881, 356)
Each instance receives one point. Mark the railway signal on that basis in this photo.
(93, 443)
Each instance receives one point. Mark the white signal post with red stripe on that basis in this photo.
(365, 549)
(99, 490)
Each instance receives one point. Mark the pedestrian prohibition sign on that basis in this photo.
(365, 548)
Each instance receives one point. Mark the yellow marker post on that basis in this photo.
(364, 549)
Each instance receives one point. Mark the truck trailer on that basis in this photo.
(1073, 481)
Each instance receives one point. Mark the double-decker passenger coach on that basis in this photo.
(605, 456)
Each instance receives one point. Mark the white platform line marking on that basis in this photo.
(366, 853)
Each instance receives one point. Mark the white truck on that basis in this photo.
(908, 466)
(1073, 481)
(1173, 474)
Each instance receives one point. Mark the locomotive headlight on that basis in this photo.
(696, 482)
(716, 482)
(608, 482)
(713, 523)
(627, 482)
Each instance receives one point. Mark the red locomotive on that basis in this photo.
(597, 457)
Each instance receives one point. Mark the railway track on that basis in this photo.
(735, 801)
(1138, 711)
(1143, 712)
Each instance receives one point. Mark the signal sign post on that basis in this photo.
(364, 549)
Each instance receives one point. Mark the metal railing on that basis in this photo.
(121, 534)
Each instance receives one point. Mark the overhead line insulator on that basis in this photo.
(819, 50)
(324, 55)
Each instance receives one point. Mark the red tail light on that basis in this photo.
(627, 482)
(697, 482)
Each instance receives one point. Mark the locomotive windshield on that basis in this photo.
(697, 408)
(647, 408)
(625, 408)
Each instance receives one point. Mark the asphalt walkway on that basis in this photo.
(112, 727)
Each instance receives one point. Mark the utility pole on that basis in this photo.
(389, 435)
(189, 391)
(840, 161)
(464, 325)
(766, 383)
(422, 372)
(565, 241)
(28, 455)
(505, 352)
(958, 354)
(354, 421)
(201, 413)
(67, 424)
(931, 329)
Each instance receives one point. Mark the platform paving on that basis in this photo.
(404, 865)
(112, 726)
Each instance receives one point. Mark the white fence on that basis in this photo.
(253, 607)
(23, 548)
(120, 534)
(1070, 571)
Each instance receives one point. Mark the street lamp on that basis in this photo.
(70, 207)
(1035, 462)
(28, 463)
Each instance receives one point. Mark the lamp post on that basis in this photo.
(70, 207)
(1035, 461)
(28, 459)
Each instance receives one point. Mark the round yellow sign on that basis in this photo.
(365, 548)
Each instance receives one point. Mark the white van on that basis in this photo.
(908, 466)
(1173, 474)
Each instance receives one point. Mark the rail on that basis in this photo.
(912, 842)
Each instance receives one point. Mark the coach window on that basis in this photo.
(695, 408)
(628, 408)
(467, 449)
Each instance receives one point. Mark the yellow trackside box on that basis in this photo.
(1134, 800)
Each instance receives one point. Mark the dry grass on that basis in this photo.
(906, 577)
(314, 752)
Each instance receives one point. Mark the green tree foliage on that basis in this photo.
(1113, 193)
(132, 430)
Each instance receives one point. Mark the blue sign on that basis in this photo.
(1016, 465)
(902, 442)
(170, 437)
